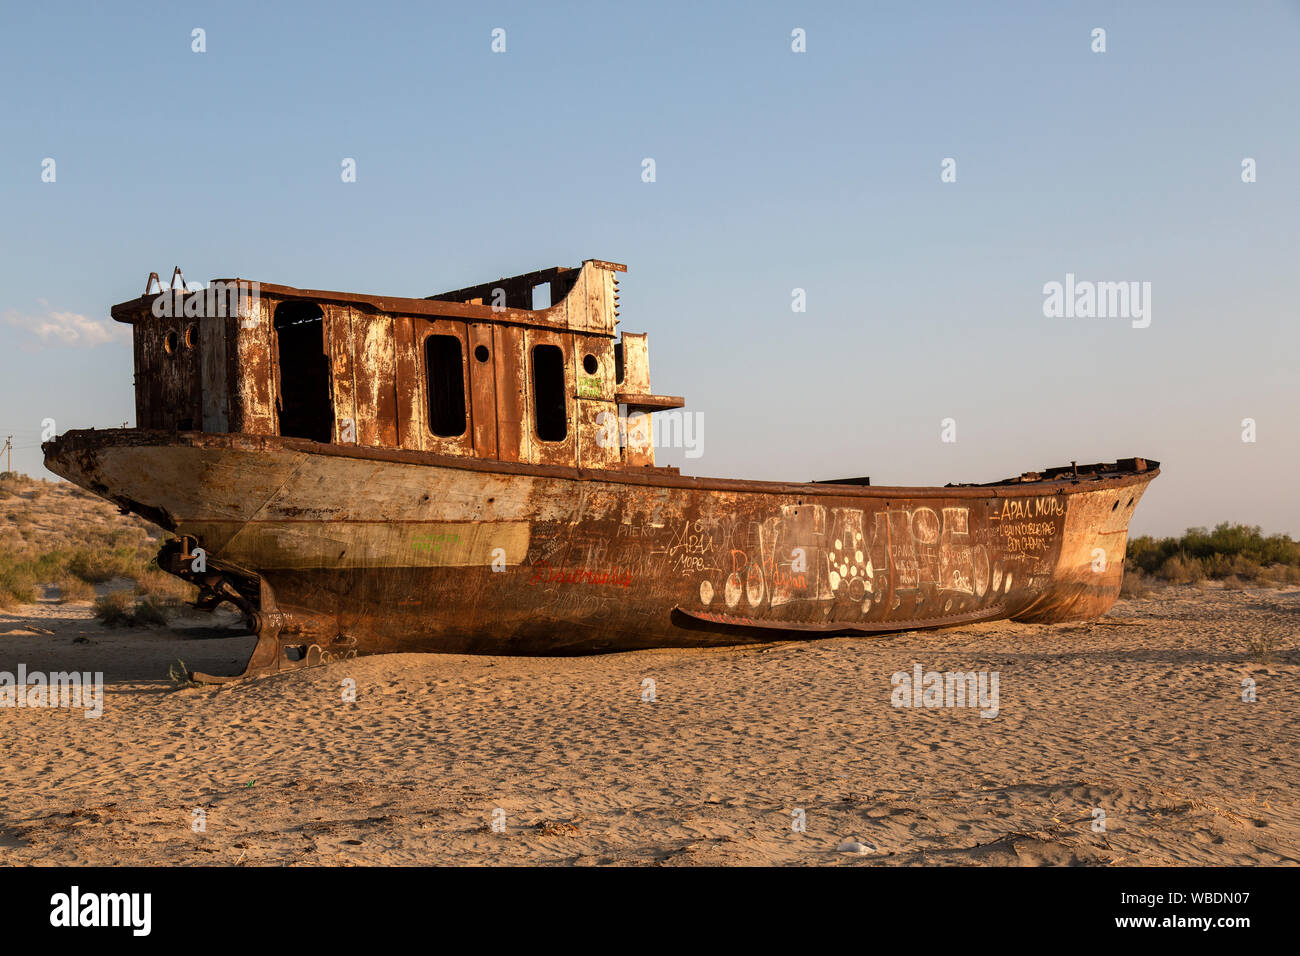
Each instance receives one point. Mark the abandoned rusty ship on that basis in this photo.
(364, 474)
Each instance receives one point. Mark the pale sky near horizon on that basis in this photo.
(774, 170)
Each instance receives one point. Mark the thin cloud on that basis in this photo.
(68, 329)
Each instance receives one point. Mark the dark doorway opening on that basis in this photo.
(444, 368)
(304, 405)
(548, 393)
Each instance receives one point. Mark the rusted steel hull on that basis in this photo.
(338, 551)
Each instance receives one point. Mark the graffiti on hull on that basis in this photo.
(810, 562)
(857, 562)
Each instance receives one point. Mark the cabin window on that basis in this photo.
(481, 353)
(304, 405)
(618, 362)
(589, 364)
(548, 393)
(444, 369)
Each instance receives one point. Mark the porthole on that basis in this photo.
(589, 364)
(191, 337)
(481, 353)
(169, 343)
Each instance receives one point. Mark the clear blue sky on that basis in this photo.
(775, 170)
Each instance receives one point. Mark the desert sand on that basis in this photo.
(1138, 715)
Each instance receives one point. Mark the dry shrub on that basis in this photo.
(17, 583)
(1135, 584)
(1280, 575)
(1247, 568)
(1180, 569)
(149, 613)
(1262, 647)
(72, 588)
(97, 565)
(165, 589)
(115, 609)
(121, 609)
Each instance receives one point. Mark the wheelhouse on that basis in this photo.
(487, 371)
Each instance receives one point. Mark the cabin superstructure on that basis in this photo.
(477, 372)
(473, 472)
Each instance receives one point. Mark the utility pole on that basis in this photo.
(9, 452)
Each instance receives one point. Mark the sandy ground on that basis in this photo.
(1138, 715)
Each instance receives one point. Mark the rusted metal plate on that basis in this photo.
(508, 365)
(406, 386)
(483, 389)
(379, 371)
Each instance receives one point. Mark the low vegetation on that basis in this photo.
(126, 609)
(1236, 554)
(56, 536)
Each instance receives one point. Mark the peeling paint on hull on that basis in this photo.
(355, 551)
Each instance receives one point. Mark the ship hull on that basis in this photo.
(358, 551)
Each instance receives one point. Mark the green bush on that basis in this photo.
(1236, 550)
